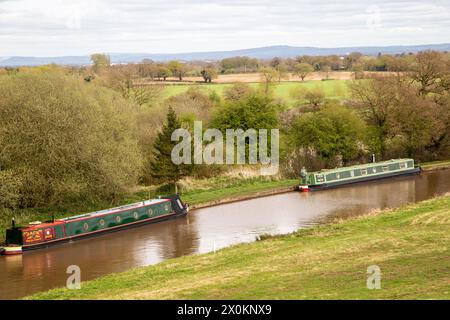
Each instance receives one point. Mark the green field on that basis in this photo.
(410, 245)
(333, 89)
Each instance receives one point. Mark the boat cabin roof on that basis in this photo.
(116, 209)
(362, 166)
(40, 225)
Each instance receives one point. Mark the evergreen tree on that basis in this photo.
(163, 169)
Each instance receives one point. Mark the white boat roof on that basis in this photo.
(116, 209)
(361, 166)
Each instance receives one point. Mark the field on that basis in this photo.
(333, 89)
(410, 246)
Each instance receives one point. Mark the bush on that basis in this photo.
(251, 112)
(64, 140)
(335, 132)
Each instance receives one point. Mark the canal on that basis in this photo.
(208, 229)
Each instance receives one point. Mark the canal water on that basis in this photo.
(208, 229)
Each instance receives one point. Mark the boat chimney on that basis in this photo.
(13, 223)
(373, 157)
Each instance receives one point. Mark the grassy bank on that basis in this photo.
(411, 245)
(436, 165)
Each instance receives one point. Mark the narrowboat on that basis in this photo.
(40, 235)
(332, 178)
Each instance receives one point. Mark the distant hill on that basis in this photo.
(261, 53)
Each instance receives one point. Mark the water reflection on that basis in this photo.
(206, 229)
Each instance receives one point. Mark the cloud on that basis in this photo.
(69, 27)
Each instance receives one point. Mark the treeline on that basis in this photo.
(354, 62)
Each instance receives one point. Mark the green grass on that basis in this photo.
(411, 245)
(334, 89)
(443, 164)
(243, 189)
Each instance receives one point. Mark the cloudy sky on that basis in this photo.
(77, 27)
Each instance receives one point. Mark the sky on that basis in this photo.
(80, 27)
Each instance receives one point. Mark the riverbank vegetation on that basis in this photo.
(409, 245)
(76, 139)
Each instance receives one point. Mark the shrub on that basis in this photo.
(63, 140)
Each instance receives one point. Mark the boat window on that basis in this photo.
(85, 226)
(385, 168)
(338, 176)
(402, 165)
(363, 171)
(320, 178)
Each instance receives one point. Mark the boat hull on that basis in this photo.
(42, 235)
(102, 232)
(11, 250)
(338, 184)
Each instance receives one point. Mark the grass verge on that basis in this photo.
(410, 245)
(436, 165)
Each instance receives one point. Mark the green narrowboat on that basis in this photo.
(332, 178)
(39, 235)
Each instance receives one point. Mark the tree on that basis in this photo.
(303, 69)
(238, 91)
(268, 76)
(99, 61)
(352, 59)
(146, 95)
(376, 99)
(163, 168)
(314, 96)
(239, 64)
(208, 74)
(177, 69)
(429, 67)
(162, 72)
(252, 112)
(326, 69)
(412, 123)
(84, 147)
(334, 131)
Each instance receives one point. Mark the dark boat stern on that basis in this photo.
(13, 243)
(178, 206)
